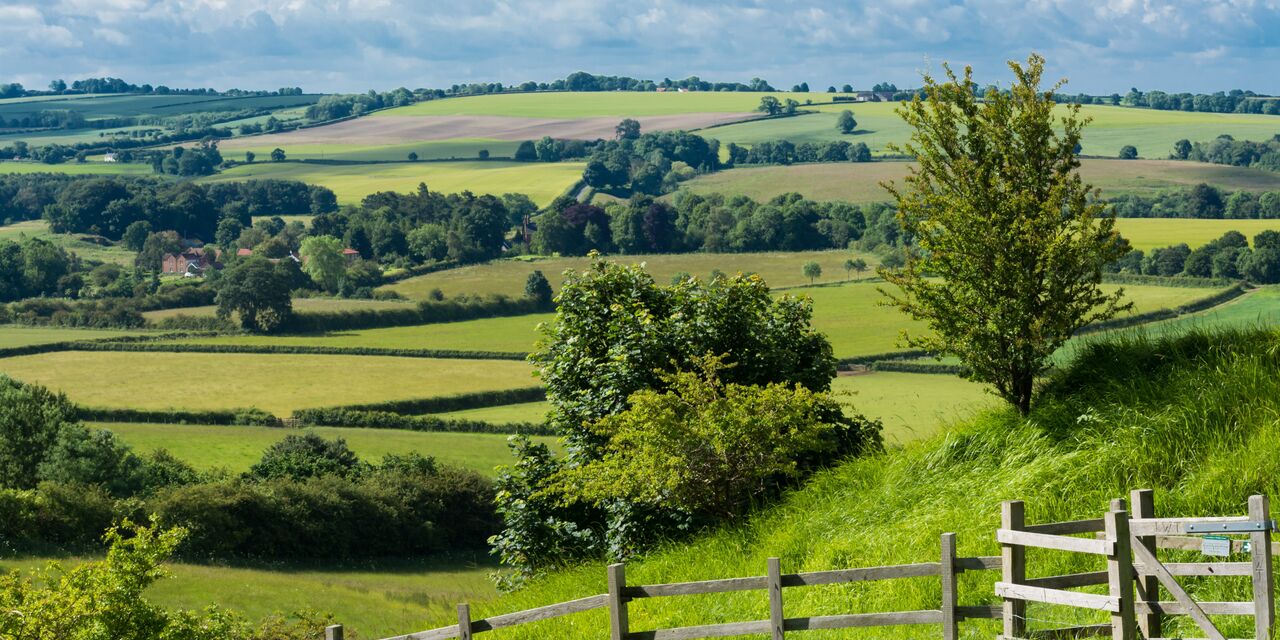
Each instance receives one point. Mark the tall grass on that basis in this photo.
(1197, 418)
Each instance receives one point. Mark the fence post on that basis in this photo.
(1144, 506)
(1264, 604)
(333, 632)
(464, 621)
(950, 626)
(1013, 568)
(618, 626)
(1120, 575)
(775, 600)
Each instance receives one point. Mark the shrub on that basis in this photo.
(305, 456)
(92, 457)
(30, 419)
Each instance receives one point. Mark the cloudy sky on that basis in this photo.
(351, 45)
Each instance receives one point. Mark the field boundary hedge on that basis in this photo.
(423, 313)
(458, 402)
(301, 350)
(247, 416)
(1184, 282)
(1194, 306)
(92, 344)
(339, 417)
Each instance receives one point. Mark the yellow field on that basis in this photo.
(275, 383)
(1149, 233)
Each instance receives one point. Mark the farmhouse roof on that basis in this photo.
(244, 252)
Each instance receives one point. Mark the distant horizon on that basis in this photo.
(348, 46)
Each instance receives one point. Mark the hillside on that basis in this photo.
(1193, 417)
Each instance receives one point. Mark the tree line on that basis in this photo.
(1234, 101)
(1227, 150)
(1230, 256)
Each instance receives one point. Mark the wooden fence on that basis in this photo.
(1126, 543)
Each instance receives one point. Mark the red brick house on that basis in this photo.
(191, 261)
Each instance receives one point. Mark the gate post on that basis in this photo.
(1144, 506)
(1264, 605)
(1120, 576)
(1013, 568)
(950, 626)
(777, 621)
(618, 625)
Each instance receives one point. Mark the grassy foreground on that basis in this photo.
(1194, 418)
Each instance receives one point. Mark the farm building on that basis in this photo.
(192, 261)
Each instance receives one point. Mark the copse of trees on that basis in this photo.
(1227, 150)
(1200, 201)
(692, 222)
(1229, 257)
(785, 152)
(651, 162)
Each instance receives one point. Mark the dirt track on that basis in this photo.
(397, 130)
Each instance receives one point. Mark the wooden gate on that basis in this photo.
(1134, 573)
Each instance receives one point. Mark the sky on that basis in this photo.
(1101, 46)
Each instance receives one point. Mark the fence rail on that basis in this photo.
(1127, 542)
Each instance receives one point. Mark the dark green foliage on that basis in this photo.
(30, 419)
(248, 416)
(1240, 153)
(92, 457)
(372, 419)
(257, 292)
(459, 402)
(1128, 152)
(427, 312)
(35, 267)
(306, 456)
(537, 288)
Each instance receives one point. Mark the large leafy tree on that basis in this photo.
(257, 291)
(1011, 242)
(323, 261)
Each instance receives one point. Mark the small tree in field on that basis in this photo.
(812, 271)
(845, 123)
(1010, 238)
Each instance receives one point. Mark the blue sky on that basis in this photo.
(352, 45)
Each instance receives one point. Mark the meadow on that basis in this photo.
(351, 183)
(1149, 233)
(78, 168)
(568, 104)
(97, 106)
(1152, 132)
(912, 406)
(275, 383)
(504, 414)
(375, 598)
(71, 242)
(860, 182)
(779, 269)
(236, 448)
(457, 148)
(514, 334)
(12, 335)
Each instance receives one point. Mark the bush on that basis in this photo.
(339, 417)
(305, 456)
(428, 312)
(458, 402)
(92, 457)
(30, 419)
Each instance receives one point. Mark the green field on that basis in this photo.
(912, 406)
(860, 182)
(540, 181)
(302, 305)
(78, 168)
(506, 414)
(71, 242)
(457, 148)
(276, 383)
(856, 324)
(374, 598)
(513, 334)
(237, 448)
(1148, 233)
(779, 269)
(12, 335)
(96, 106)
(1152, 132)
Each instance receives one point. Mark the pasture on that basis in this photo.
(13, 335)
(1149, 233)
(620, 104)
(71, 242)
(237, 448)
(540, 181)
(511, 334)
(275, 383)
(779, 269)
(374, 598)
(78, 168)
(860, 182)
(98, 106)
(296, 147)
(912, 406)
(1152, 132)
(504, 414)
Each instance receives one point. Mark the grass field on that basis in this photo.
(592, 104)
(237, 448)
(912, 406)
(779, 269)
(513, 334)
(126, 105)
(426, 150)
(860, 182)
(71, 242)
(78, 168)
(857, 325)
(12, 335)
(540, 181)
(1152, 132)
(303, 305)
(374, 598)
(276, 383)
(505, 414)
(1148, 233)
